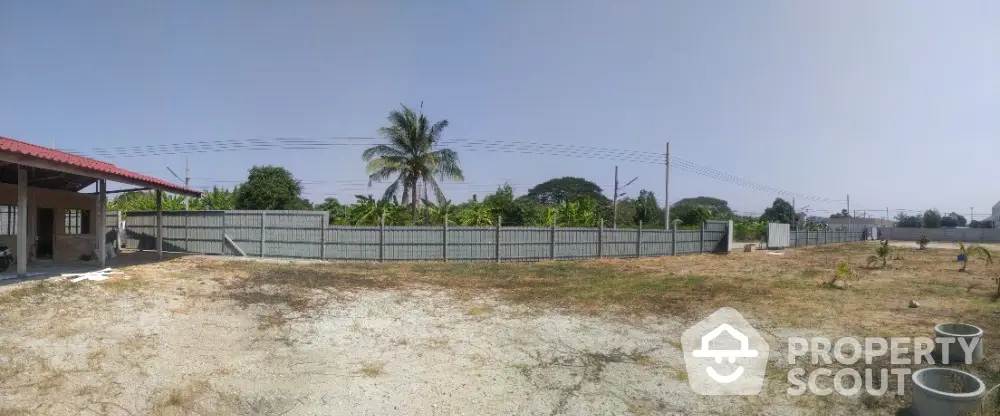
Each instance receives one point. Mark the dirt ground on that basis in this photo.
(210, 336)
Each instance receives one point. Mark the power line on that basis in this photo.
(519, 147)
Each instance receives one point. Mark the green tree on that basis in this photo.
(842, 214)
(218, 198)
(411, 158)
(953, 220)
(696, 215)
(559, 190)
(718, 207)
(780, 211)
(513, 211)
(646, 210)
(908, 221)
(932, 219)
(270, 188)
(476, 214)
(579, 213)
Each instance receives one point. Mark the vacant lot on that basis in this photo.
(210, 336)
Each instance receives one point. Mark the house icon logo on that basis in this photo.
(725, 355)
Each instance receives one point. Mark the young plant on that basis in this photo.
(923, 242)
(881, 254)
(843, 274)
(979, 251)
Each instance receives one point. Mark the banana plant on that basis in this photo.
(476, 215)
(979, 251)
(438, 212)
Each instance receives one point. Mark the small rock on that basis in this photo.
(914, 304)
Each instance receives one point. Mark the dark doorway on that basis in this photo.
(44, 233)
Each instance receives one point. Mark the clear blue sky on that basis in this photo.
(894, 102)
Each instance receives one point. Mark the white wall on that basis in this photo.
(964, 235)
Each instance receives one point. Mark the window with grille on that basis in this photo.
(77, 221)
(8, 219)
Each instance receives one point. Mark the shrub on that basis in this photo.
(844, 273)
(881, 253)
(923, 242)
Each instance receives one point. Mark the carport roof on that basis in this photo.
(27, 154)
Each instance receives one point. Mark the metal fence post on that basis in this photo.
(498, 238)
(444, 239)
(381, 238)
(552, 242)
(222, 237)
(600, 240)
(807, 235)
(673, 241)
(263, 230)
(638, 241)
(701, 242)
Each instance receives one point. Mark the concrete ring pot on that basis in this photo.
(958, 334)
(939, 391)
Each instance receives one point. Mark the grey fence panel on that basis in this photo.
(688, 241)
(524, 243)
(576, 243)
(292, 234)
(656, 242)
(413, 243)
(352, 243)
(960, 235)
(472, 244)
(304, 234)
(620, 243)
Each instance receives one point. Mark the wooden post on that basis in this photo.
(263, 231)
(498, 238)
(159, 224)
(444, 239)
(101, 229)
(22, 222)
(381, 239)
(638, 241)
(600, 240)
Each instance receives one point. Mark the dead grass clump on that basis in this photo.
(372, 369)
(38, 292)
(180, 400)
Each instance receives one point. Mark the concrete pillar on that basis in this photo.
(101, 228)
(159, 224)
(22, 222)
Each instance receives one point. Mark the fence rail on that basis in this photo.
(305, 234)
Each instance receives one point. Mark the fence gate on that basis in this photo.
(778, 235)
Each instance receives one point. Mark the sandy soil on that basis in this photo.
(196, 336)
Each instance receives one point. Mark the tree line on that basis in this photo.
(933, 218)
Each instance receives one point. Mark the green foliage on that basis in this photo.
(748, 229)
(780, 211)
(217, 199)
(923, 242)
(882, 253)
(718, 207)
(476, 214)
(844, 273)
(272, 188)
(559, 190)
(932, 219)
(908, 221)
(978, 251)
(412, 156)
(842, 214)
(953, 220)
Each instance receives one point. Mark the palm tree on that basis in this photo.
(410, 157)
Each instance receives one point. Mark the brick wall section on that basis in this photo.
(65, 247)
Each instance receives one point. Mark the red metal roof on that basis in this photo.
(86, 164)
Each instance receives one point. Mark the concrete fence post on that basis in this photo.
(444, 239)
(381, 238)
(638, 241)
(552, 242)
(263, 231)
(673, 241)
(807, 235)
(600, 239)
(323, 221)
(498, 239)
(222, 235)
(701, 241)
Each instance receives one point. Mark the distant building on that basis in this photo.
(996, 213)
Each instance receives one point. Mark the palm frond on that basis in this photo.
(438, 193)
(382, 150)
(446, 164)
(392, 189)
(981, 252)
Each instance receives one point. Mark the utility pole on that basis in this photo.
(187, 181)
(887, 215)
(666, 192)
(614, 203)
(849, 219)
